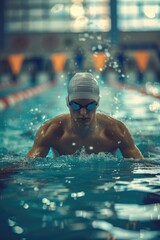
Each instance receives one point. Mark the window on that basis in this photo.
(138, 15)
(57, 16)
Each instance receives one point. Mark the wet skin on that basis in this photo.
(68, 133)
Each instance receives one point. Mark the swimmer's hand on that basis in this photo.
(12, 169)
(8, 170)
(5, 173)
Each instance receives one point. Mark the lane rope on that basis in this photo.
(144, 91)
(12, 99)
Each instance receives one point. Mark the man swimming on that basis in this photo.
(83, 127)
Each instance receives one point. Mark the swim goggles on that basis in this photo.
(76, 106)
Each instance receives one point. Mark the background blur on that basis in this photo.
(41, 40)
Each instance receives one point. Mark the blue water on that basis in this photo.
(80, 197)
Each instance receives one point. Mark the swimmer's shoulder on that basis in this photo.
(50, 130)
(104, 118)
(110, 123)
(55, 124)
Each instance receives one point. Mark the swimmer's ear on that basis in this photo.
(67, 101)
(98, 102)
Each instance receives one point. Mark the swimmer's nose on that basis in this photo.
(83, 111)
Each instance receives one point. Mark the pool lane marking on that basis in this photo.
(131, 87)
(12, 99)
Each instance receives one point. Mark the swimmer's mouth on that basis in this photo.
(83, 120)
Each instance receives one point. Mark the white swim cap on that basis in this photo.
(83, 86)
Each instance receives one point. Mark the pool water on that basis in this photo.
(80, 197)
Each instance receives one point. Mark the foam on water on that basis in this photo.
(78, 195)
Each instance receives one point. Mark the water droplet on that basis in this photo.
(91, 147)
(44, 207)
(52, 206)
(91, 37)
(45, 200)
(82, 39)
(100, 47)
(11, 223)
(86, 35)
(99, 37)
(80, 194)
(36, 189)
(74, 195)
(26, 206)
(18, 230)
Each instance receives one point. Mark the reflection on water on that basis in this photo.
(82, 196)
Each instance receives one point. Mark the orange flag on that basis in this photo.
(142, 58)
(58, 61)
(15, 61)
(99, 60)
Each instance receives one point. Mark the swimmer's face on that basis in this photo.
(83, 111)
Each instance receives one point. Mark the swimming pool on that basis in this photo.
(83, 196)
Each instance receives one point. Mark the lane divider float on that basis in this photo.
(144, 91)
(12, 99)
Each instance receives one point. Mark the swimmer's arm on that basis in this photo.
(127, 146)
(132, 152)
(40, 147)
(37, 151)
(6, 171)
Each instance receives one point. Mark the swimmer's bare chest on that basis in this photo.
(69, 144)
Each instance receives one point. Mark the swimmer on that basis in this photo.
(83, 126)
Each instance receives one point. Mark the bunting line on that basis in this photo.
(58, 61)
(99, 59)
(16, 61)
(142, 58)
